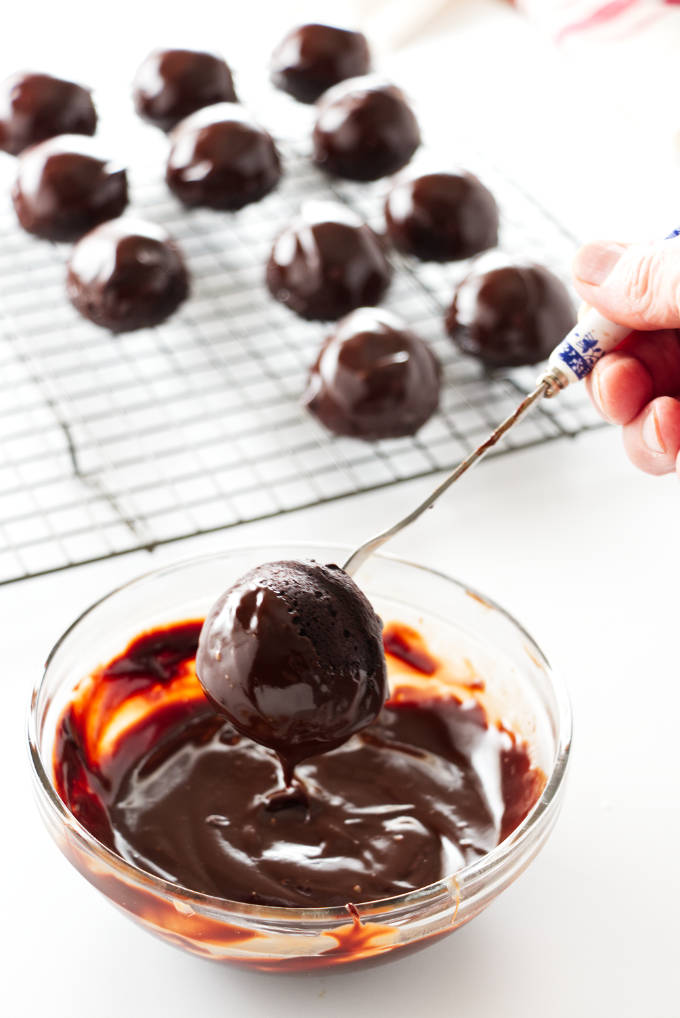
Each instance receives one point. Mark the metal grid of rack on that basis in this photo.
(114, 444)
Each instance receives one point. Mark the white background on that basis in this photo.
(569, 537)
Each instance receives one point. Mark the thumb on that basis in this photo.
(636, 285)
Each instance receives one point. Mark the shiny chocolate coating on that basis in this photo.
(312, 58)
(65, 186)
(34, 107)
(327, 262)
(172, 83)
(364, 129)
(392, 810)
(511, 315)
(221, 158)
(292, 655)
(431, 785)
(441, 216)
(373, 378)
(126, 274)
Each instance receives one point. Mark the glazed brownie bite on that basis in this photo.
(292, 654)
(172, 83)
(441, 216)
(364, 129)
(510, 315)
(126, 274)
(34, 107)
(373, 378)
(312, 58)
(220, 157)
(327, 262)
(65, 186)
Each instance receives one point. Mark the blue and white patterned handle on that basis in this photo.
(590, 339)
(581, 349)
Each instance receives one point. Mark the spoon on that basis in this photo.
(573, 359)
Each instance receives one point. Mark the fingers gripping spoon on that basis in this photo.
(571, 361)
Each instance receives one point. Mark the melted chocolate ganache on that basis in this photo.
(178, 792)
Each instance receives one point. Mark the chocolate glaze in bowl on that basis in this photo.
(471, 634)
(425, 787)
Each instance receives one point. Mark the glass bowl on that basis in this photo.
(469, 632)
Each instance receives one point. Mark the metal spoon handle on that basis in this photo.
(574, 358)
(591, 338)
(545, 386)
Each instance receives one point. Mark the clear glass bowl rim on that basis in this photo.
(481, 870)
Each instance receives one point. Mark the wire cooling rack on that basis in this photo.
(114, 444)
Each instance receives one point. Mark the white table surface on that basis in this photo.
(568, 536)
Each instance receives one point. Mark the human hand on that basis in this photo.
(638, 384)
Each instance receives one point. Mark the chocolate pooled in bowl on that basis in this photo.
(66, 185)
(327, 262)
(510, 315)
(34, 107)
(221, 158)
(428, 786)
(126, 274)
(441, 216)
(172, 83)
(311, 58)
(373, 378)
(156, 799)
(292, 656)
(364, 129)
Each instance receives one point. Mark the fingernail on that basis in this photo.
(597, 391)
(594, 262)
(597, 382)
(651, 433)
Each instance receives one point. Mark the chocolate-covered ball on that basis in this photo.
(312, 58)
(292, 654)
(327, 262)
(126, 274)
(373, 378)
(511, 315)
(221, 158)
(364, 129)
(65, 186)
(441, 216)
(172, 83)
(34, 107)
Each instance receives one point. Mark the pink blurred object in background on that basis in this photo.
(633, 43)
(617, 19)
